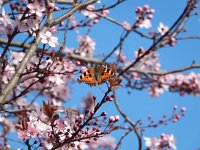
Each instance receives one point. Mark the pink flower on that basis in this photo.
(162, 29)
(146, 23)
(120, 56)
(112, 119)
(17, 57)
(83, 69)
(183, 109)
(31, 24)
(86, 46)
(5, 19)
(37, 7)
(105, 142)
(105, 12)
(126, 25)
(169, 139)
(48, 38)
(152, 143)
(117, 118)
(89, 13)
(53, 29)
(69, 66)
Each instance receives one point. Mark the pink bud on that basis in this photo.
(103, 113)
(152, 11)
(183, 109)
(172, 39)
(177, 117)
(146, 7)
(109, 98)
(94, 98)
(150, 17)
(56, 8)
(111, 119)
(138, 10)
(92, 113)
(78, 63)
(117, 118)
(175, 107)
(105, 12)
(161, 121)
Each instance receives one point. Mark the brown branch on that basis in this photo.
(129, 121)
(96, 61)
(72, 11)
(18, 110)
(20, 69)
(121, 139)
(69, 2)
(188, 37)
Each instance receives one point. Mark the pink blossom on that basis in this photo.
(48, 38)
(105, 142)
(23, 134)
(83, 69)
(120, 56)
(57, 79)
(166, 141)
(31, 24)
(88, 13)
(126, 25)
(53, 29)
(16, 57)
(112, 119)
(5, 19)
(37, 7)
(138, 10)
(169, 139)
(105, 12)
(69, 66)
(117, 118)
(162, 29)
(183, 109)
(146, 23)
(152, 143)
(6, 26)
(86, 46)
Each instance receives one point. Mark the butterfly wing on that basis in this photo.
(88, 78)
(106, 74)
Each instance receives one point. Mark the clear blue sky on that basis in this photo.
(138, 105)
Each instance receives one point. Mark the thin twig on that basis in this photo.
(128, 120)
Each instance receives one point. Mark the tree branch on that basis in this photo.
(128, 120)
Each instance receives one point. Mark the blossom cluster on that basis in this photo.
(46, 75)
(149, 74)
(70, 129)
(85, 48)
(164, 142)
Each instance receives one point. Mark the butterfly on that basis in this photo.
(96, 75)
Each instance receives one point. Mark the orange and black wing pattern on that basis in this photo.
(88, 78)
(106, 74)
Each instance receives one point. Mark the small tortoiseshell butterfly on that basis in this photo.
(96, 75)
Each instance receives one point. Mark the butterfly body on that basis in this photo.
(96, 75)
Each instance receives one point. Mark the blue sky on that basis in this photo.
(139, 105)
